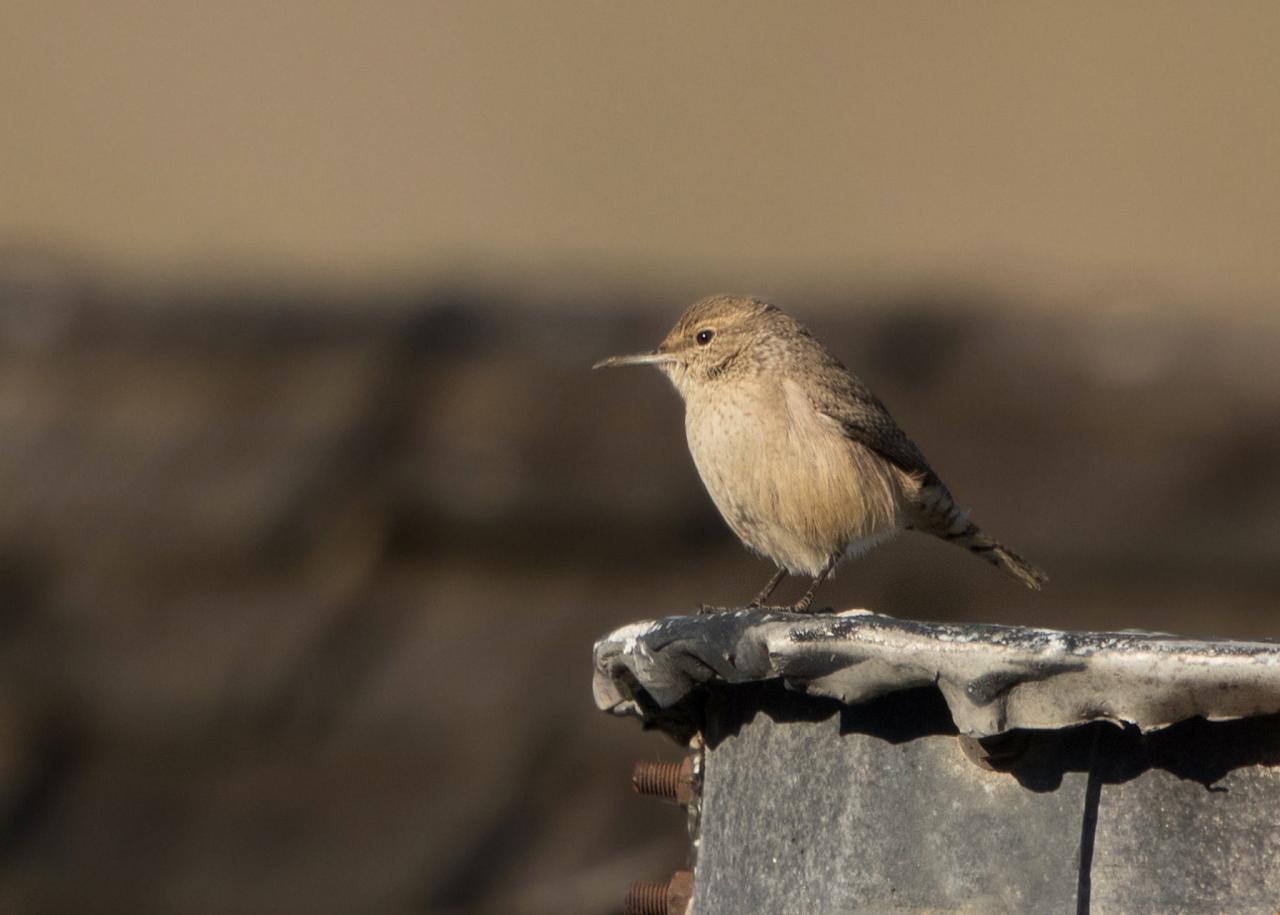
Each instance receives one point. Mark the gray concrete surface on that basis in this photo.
(847, 813)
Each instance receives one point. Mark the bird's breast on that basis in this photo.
(785, 478)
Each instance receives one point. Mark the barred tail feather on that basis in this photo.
(938, 514)
(1004, 559)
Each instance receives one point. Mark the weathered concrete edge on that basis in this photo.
(994, 678)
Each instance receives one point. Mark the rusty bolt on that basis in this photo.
(670, 898)
(667, 780)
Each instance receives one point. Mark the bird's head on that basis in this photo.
(707, 342)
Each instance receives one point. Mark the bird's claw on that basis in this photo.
(754, 607)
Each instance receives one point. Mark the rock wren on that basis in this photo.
(805, 464)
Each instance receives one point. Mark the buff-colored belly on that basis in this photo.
(788, 483)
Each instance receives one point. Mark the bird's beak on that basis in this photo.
(653, 358)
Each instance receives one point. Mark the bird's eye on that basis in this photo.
(704, 336)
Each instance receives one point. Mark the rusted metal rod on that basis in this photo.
(670, 781)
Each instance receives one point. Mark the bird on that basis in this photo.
(804, 463)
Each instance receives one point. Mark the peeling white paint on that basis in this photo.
(994, 678)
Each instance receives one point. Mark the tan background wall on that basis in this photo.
(1067, 146)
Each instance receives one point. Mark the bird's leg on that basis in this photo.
(802, 605)
(768, 589)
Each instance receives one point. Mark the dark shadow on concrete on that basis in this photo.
(896, 717)
(1196, 750)
(1088, 830)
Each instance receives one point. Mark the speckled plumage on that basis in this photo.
(802, 460)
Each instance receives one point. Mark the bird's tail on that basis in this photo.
(938, 514)
(1000, 556)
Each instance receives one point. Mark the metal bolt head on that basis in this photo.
(680, 892)
(670, 898)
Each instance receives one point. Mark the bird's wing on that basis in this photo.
(863, 419)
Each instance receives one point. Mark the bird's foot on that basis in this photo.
(769, 608)
(711, 610)
(806, 609)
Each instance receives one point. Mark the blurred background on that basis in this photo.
(310, 508)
